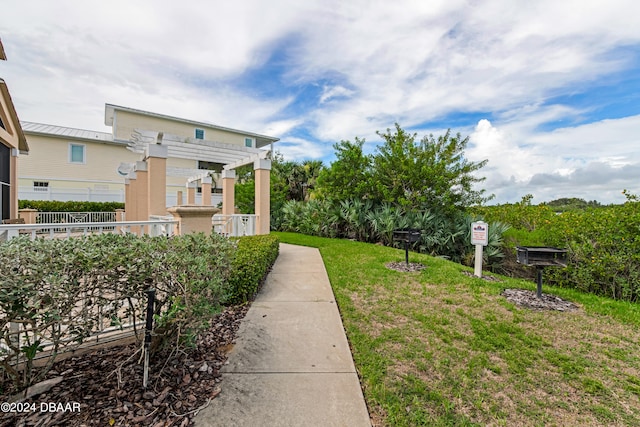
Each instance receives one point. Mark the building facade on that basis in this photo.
(12, 144)
(75, 164)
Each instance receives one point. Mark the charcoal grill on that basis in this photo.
(541, 257)
(406, 235)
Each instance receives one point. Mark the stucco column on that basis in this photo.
(179, 198)
(29, 215)
(141, 191)
(228, 191)
(191, 193)
(130, 208)
(156, 157)
(206, 190)
(120, 215)
(13, 180)
(262, 168)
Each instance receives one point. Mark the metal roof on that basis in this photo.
(44, 129)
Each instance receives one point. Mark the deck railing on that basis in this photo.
(164, 227)
(235, 225)
(65, 217)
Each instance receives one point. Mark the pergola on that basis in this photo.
(145, 185)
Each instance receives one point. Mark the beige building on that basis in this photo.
(75, 164)
(12, 144)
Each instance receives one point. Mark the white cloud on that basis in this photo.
(329, 92)
(376, 63)
(593, 161)
(297, 149)
(281, 127)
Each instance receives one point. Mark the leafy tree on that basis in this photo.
(349, 176)
(573, 203)
(302, 178)
(289, 181)
(245, 189)
(428, 174)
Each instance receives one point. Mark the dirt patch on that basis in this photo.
(483, 277)
(529, 299)
(107, 383)
(403, 267)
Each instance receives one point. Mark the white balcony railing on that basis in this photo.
(164, 227)
(73, 217)
(235, 225)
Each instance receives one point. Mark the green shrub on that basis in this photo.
(604, 250)
(62, 291)
(522, 215)
(253, 258)
(363, 220)
(603, 244)
(73, 206)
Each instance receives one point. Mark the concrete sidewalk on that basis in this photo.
(291, 365)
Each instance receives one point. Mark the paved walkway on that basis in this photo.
(291, 365)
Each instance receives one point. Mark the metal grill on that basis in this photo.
(541, 257)
(406, 235)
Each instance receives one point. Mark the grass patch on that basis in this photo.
(439, 348)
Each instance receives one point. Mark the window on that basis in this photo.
(199, 133)
(248, 142)
(77, 153)
(40, 186)
(2, 124)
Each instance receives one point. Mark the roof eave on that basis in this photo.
(3, 56)
(23, 147)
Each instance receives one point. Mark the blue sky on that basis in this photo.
(547, 91)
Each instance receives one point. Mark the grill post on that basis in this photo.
(406, 235)
(539, 281)
(406, 252)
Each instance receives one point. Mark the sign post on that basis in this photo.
(479, 238)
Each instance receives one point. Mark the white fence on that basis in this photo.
(153, 228)
(73, 217)
(235, 225)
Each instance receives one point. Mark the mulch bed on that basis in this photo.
(529, 299)
(107, 383)
(403, 267)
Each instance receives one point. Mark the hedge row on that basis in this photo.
(56, 289)
(73, 206)
(253, 259)
(603, 245)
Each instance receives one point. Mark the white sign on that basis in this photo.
(479, 233)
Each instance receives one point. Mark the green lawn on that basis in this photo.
(440, 348)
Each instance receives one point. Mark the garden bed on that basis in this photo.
(107, 383)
